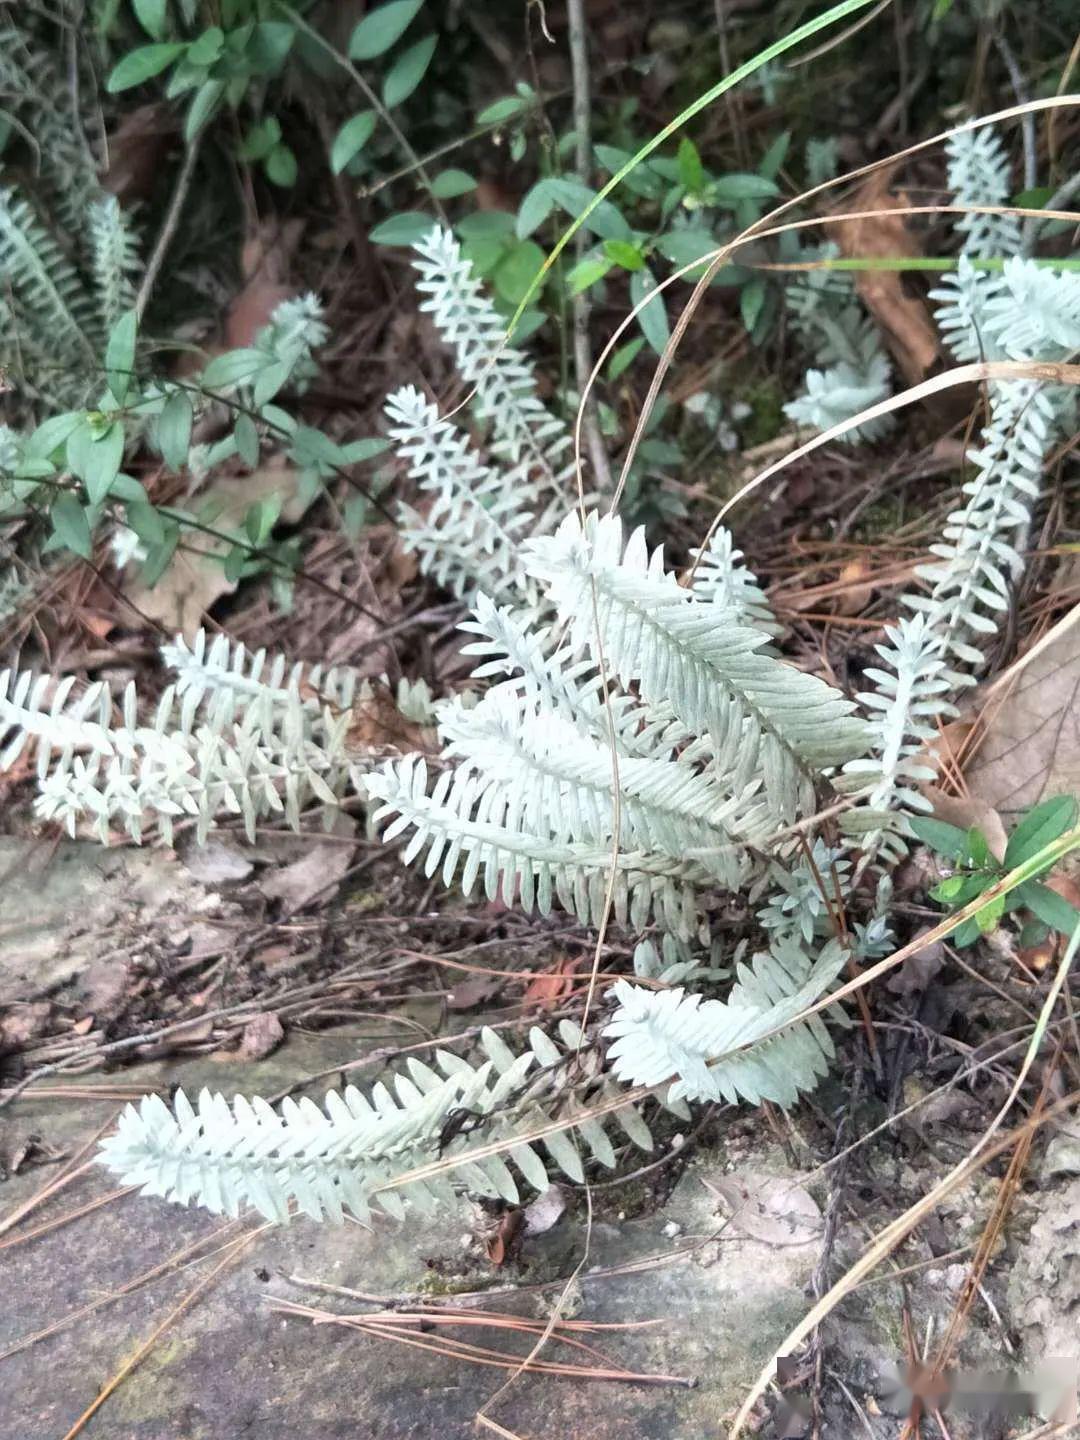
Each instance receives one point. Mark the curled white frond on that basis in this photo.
(716, 1049)
(721, 579)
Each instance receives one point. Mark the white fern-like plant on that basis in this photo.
(1020, 312)
(345, 1156)
(853, 371)
(476, 517)
(523, 431)
(220, 742)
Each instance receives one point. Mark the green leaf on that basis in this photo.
(207, 47)
(682, 247)
(351, 139)
(450, 183)
(624, 254)
(120, 355)
(653, 318)
(949, 889)
(157, 560)
(261, 139)
(280, 166)
(990, 915)
(1041, 825)
(174, 430)
(379, 30)
(486, 225)
(751, 299)
(233, 366)
(536, 205)
(978, 850)
(203, 107)
(403, 229)
(514, 276)
(100, 462)
(605, 220)
(357, 451)
(1050, 907)
(501, 110)
(728, 190)
(142, 64)
(145, 521)
(269, 46)
(624, 356)
(947, 840)
(775, 156)
(965, 934)
(586, 272)
(151, 16)
(70, 528)
(691, 170)
(1035, 199)
(52, 433)
(247, 440)
(407, 71)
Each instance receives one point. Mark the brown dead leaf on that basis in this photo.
(313, 878)
(262, 1035)
(964, 811)
(23, 1023)
(908, 328)
(506, 1237)
(136, 151)
(774, 1209)
(193, 582)
(377, 726)
(855, 595)
(548, 990)
(1031, 748)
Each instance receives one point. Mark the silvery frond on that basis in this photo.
(963, 296)
(523, 431)
(977, 562)
(34, 268)
(351, 1153)
(836, 394)
(676, 962)
(804, 893)
(852, 370)
(543, 774)
(114, 261)
(717, 1049)
(1035, 312)
(451, 829)
(476, 518)
(980, 174)
(210, 667)
(721, 579)
(222, 759)
(296, 329)
(910, 695)
(763, 717)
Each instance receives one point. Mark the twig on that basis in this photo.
(579, 65)
(169, 224)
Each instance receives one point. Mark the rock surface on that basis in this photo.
(230, 1367)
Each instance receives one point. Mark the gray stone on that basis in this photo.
(230, 1367)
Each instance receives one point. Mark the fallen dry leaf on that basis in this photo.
(547, 990)
(905, 319)
(262, 1035)
(216, 863)
(964, 811)
(314, 877)
(1031, 748)
(137, 149)
(23, 1023)
(378, 726)
(771, 1208)
(545, 1211)
(193, 582)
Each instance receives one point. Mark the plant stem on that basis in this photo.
(169, 224)
(579, 65)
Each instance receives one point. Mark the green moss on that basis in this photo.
(766, 400)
